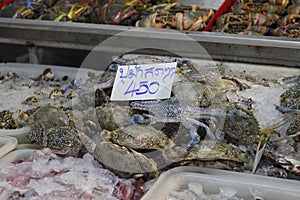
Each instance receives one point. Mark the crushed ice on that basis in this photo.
(49, 176)
(195, 191)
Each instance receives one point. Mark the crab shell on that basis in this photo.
(6, 120)
(294, 129)
(62, 141)
(125, 162)
(51, 127)
(245, 128)
(212, 153)
(140, 137)
(291, 97)
(112, 116)
(47, 117)
(196, 93)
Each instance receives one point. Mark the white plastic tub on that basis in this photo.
(211, 179)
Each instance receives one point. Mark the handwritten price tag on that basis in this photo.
(141, 82)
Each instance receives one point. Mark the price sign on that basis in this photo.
(141, 82)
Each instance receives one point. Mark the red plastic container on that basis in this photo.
(224, 8)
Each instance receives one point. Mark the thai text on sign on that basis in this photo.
(141, 82)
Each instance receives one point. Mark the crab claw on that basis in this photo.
(138, 119)
(279, 108)
(195, 139)
(193, 132)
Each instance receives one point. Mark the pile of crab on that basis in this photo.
(142, 13)
(272, 18)
(208, 121)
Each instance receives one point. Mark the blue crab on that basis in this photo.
(245, 129)
(139, 137)
(209, 153)
(52, 128)
(290, 106)
(124, 161)
(112, 116)
(291, 97)
(177, 110)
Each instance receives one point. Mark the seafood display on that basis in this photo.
(141, 13)
(214, 118)
(271, 18)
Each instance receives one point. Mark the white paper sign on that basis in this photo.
(141, 82)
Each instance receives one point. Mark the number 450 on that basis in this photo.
(142, 88)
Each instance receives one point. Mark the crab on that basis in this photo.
(154, 20)
(196, 93)
(139, 137)
(294, 127)
(123, 161)
(285, 154)
(52, 128)
(289, 107)
(177, 110)
(6, 120)
(210, 153)
(112, 116)
(62, 141)
(291, 97)
(193, 20)
(48, 117)
(245, 128)
(116, 14)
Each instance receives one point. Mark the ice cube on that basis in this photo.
(228, 191)
(46, 185)
(196, 188)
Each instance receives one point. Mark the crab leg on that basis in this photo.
(7, 144)
(286, 109)
(20, 134)
(265, 136)
(259, 152)
(287, 137)
(19, 153)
